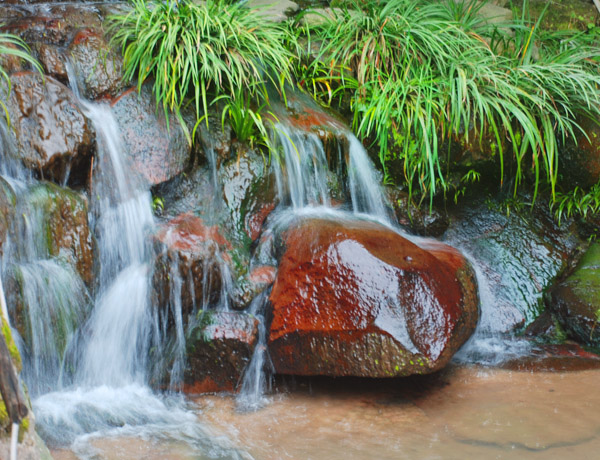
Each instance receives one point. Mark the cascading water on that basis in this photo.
(256, 380)
(44, 285)
(302, 172)
(106, 392)
(120, 324)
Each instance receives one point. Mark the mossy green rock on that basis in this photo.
(7, 211)
(576, 300)
(63, 214)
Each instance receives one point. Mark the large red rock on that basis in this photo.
(356, 298)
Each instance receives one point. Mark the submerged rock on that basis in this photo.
(356, 298)
(158, 152)
(218, 350)
(576, 300)
(52, 136)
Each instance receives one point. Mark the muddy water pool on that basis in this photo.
(464, 412)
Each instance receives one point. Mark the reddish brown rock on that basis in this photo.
(219, 349)
(52, 136)
(190, 250)
(263, 274)
(158, 153)
(356, 298)
(305, 114)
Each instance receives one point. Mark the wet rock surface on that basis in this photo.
(193, 252)
(241, 183)
(576, 300)
(519, 252)
(229, 199)
(98, 68)
(7, 211)
(355, 298)
(158, 152)
(565, 357)
(63, 214)
(219, 349)
(420, 221)
(52, 136)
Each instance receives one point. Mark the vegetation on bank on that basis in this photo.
(415, 76)
(421, 74)
(199, 53)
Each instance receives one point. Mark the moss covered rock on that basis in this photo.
(576, 300)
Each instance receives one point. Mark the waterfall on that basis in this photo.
(108, 393)
(303, 175)
(256, 380)
(120, 323)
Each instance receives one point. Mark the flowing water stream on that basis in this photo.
(88, 346)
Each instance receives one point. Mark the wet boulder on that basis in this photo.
(62, 217)
(224, 204)
(52, 136)
(158, 152)
(97, 67)
(356, 298)
(258, 204)
(218, 351)
(52, 60)
(190, 267)
(576, 300)
(519, 255)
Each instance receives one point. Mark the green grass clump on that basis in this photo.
(577, 202)
(419, 74)
(201, 51)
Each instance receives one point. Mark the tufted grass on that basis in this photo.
(419, 74)
(199, 52)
